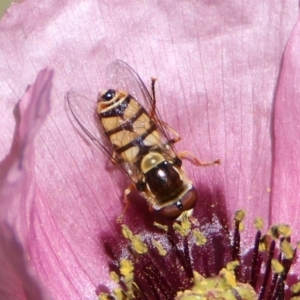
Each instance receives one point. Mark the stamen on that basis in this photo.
(172, 264)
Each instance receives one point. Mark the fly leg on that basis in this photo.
(126, 202)
(176, 137)
(196, 161)
(158, 120)
(153, 104)
(115, 159)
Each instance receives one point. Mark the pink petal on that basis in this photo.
(17, 194)
(286, 172)
(217, 64)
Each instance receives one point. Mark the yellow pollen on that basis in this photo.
(160, 226)
(295, 288)
(224, 286)
(264, 243)
(104, 296)
(114, 277)
(126, 267)
(119, 294)
(284, 230)
(185, 226)
(259, 223)
(127, 233)
(241, 226)
(159, 247)
(232, 265)
(287, 249)
(229, 277)
(200, 239)
(136, 242)
(239, 215)
(277, 267)
(138, 245)
(280, 230)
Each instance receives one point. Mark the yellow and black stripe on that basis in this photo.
(127, 124)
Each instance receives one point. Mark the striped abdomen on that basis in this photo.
(127, 125)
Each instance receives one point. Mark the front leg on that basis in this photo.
(126, 201)
(196, 161)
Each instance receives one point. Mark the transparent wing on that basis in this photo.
(83, 111)
(120, 76)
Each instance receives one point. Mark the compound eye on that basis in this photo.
(108, 95)
(174, 210)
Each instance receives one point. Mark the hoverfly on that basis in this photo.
(137, 140)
